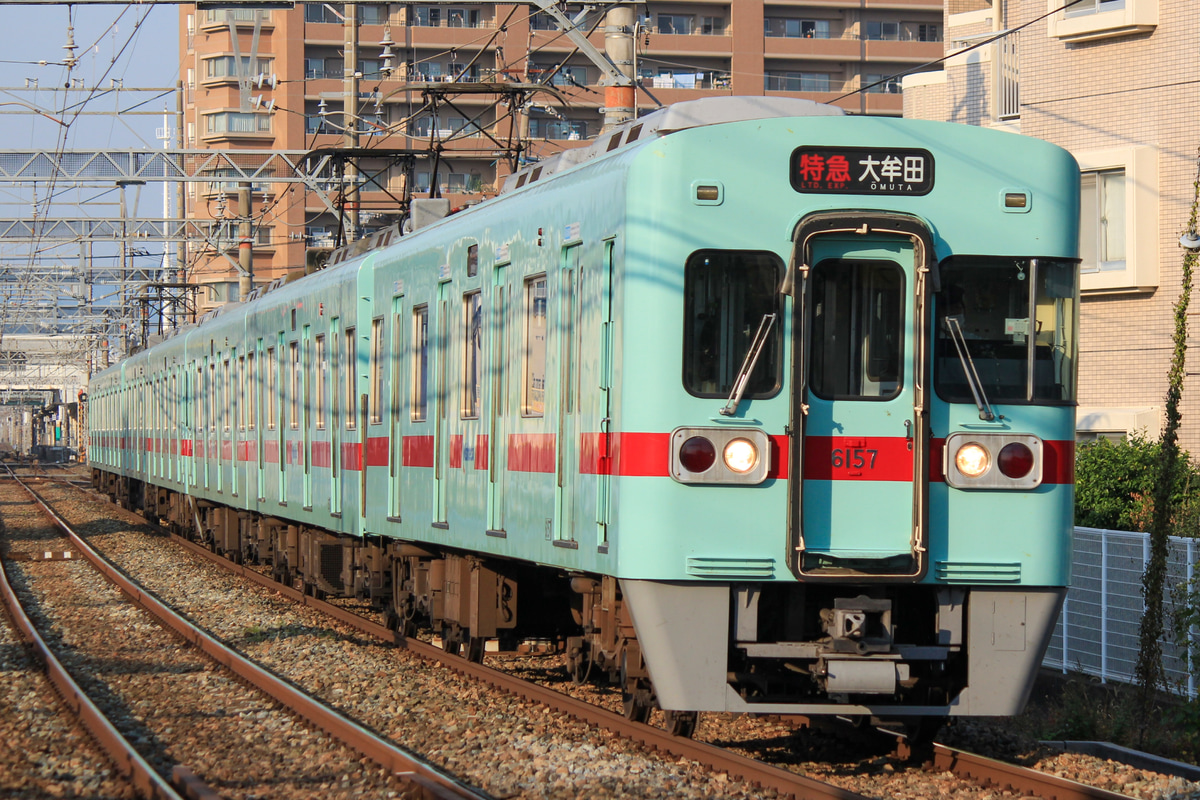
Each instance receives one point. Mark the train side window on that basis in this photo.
(241, 393)
(375, 401)
(252, 398)
(272, 371)
(294, 385)
(212, 397)
(533, 395)
(857, 337)
(472, 354)
(322, 380)
(420, 364)
(198, 401)
(226, 396)
(397, 343)
(472, 260)
(351, 379)
(726, 295)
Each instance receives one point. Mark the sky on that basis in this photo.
(134, 44)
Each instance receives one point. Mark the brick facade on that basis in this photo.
(1109, 92)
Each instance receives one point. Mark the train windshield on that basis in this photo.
(1019, 319)
(726, 295)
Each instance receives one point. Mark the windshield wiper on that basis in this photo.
(968, 365)
(748, 364)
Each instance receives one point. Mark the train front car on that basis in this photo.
(866, 388)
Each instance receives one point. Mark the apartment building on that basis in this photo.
(1114, 82)
(442, 93)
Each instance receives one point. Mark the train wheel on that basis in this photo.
(451, 643)
(475, 649)
(922, 730)
(681, 723)
(635, 698)
(579, 663)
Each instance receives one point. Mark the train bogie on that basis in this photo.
(749, 406)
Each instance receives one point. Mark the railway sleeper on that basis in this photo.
(466, 599)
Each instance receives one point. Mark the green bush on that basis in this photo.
(1114, 483)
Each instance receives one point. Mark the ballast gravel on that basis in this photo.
(170, 701)
(507, 746)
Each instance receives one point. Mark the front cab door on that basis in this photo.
(863, 437)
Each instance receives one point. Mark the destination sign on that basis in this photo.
(862, 170)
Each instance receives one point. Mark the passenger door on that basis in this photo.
(862, 440)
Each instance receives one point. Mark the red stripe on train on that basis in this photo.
(858, 458)
(417, 451)
(531, 452)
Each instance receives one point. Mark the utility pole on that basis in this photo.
(618, 46)
(350, 117)
(245, 242)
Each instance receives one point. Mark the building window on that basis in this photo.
(875, 83)
(560, 75)
(796, 28)
(1089, 20)
(372, 15)
(1102, 221)
(675, 23)
(877, 31)
(226, 292)
(1118, 219)
(928, 33)
(318, 68)
(712, 26)
(796, 82)
(237, 122)
(226, 67)
(1093, 7)
(462, 17)
(327, 13)
(426, 17)
(226, 15)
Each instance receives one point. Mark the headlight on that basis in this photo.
(741, 455)
(972, 460)
(738, 456)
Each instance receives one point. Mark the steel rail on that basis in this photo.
(129, 763)
(1010, 776)
(957, 762)
(434, 784)
(748, 769)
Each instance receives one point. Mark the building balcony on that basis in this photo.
(904, 51)
(933, 6)
(690, 44)
(843, 49)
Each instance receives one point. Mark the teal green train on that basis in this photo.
(748, 406)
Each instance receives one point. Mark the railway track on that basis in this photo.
(967, 767)
(401, 774)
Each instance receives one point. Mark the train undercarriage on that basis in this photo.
(895, 652)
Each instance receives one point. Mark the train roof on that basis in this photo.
(676, 117)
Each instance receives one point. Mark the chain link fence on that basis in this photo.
(1097, 632)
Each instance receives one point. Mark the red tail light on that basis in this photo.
(1016, 460)
(697, 454)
